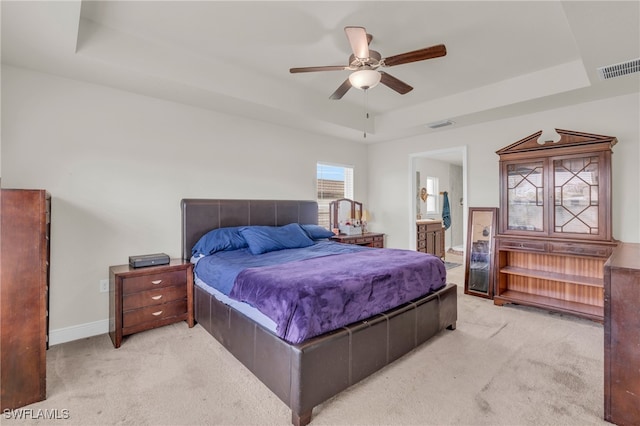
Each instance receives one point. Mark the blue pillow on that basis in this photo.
(317, 232)
(263, 239)
(220, 239)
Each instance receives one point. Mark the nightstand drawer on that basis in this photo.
(154, 313)
(153, 281)
(154, 297)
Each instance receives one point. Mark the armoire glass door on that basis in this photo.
(525, 196)
(576, 195)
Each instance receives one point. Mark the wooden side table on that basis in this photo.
(369, 239)
(144, 298)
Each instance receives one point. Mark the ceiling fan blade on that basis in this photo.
(340, 91)
(395, 84)
(416, 55)
(358, 40)
(313, 69)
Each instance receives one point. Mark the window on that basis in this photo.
(432, 196)
(334, 182)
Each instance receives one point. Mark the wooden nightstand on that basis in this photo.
(369, 239)
(144, 298)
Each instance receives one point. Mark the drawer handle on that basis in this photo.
(156, 282)
(157, 297)
(155, 314)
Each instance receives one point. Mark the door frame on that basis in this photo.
(459, 153)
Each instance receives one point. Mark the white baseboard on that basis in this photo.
(76, 332)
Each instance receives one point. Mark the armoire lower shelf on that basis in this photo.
(553, 276)
(556, 282)
(592, 312)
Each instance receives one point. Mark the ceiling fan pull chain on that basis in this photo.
(366, 111)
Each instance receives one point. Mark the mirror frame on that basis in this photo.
(474, 223)
(354, 210)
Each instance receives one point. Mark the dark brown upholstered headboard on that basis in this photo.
(199, 216)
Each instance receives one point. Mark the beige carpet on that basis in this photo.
(502, 366)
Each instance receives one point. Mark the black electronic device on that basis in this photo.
(144, 260)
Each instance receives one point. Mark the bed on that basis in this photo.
(310, 372)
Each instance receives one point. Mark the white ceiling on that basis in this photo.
(503, 58)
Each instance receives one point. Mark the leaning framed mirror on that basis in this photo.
(479, 276)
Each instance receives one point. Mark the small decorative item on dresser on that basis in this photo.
(364, 221)
(350, 228)
(144, 260)
(144, 298)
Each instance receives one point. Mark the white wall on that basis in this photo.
(390, 192)
(117, 165)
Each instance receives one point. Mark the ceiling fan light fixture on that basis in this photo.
(364, 79)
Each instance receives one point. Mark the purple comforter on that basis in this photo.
(310, 297)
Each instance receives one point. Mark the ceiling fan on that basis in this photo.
(365, 63)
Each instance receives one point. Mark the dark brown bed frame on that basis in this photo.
(307, 374)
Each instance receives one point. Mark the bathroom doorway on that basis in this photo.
(448, 168)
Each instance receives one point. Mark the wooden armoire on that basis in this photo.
(24, 250)
(555, 223)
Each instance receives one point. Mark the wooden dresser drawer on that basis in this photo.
(378, 241)
(154, 297)
(429, 227)
(574, 249)
(363, 240)
(154, 313)
(153, 281)
(369, 239)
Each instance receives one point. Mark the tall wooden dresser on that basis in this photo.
(25, 230)
(555, 223)
(622, 336)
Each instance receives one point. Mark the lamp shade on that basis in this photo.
(364, 79)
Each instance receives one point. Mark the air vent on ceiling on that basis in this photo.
(618, 70)
(441, 123)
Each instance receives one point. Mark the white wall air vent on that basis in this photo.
(441, 123)
(618, 70)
